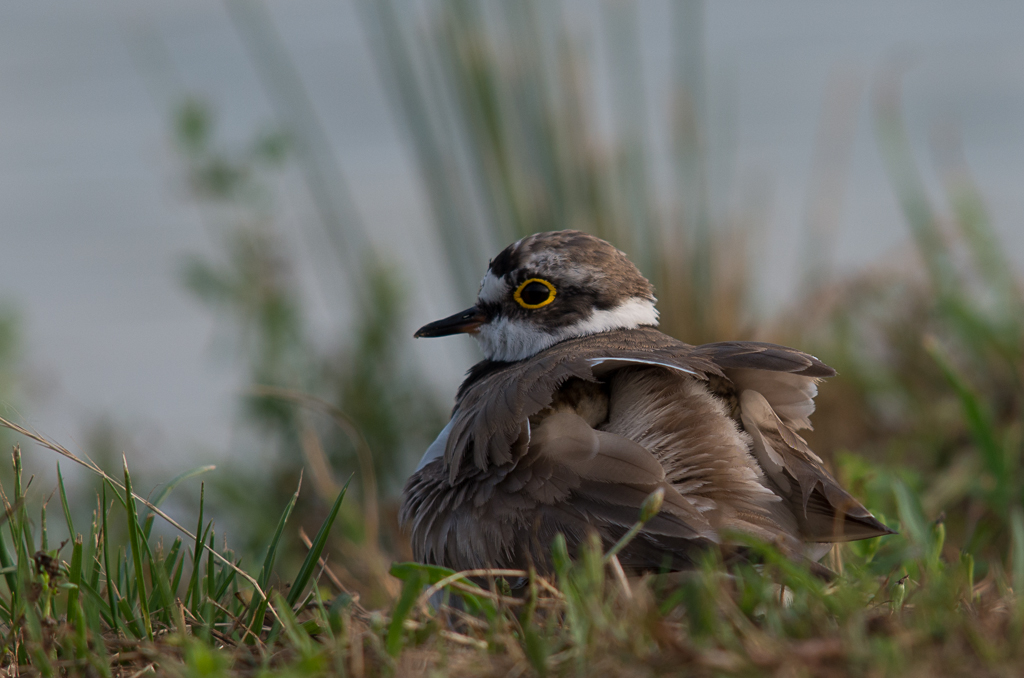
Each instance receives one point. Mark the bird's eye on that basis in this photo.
(534, 293)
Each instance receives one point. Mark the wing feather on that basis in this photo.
(824, 511)
(501, 490)
(497, 397)
(775, 387)
(613, 470)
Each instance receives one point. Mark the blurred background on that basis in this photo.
(222, 223)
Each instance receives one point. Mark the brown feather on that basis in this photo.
(496, 397)
(574, 439)
(823, 510)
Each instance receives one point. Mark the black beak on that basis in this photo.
(464, 321)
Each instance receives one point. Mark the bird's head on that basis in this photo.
(547, 288)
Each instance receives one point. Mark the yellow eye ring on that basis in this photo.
(519, 290)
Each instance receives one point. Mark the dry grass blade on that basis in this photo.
(150, 668)
(466, 574)
(325, 568)
(463, 640)
(239, 624)
(64, 452)
(498, 598)
(363, 452)
(620, 576)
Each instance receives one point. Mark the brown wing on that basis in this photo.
(524, 486)
(497, 397)
(488, 415)
(615, 476)
(760, 355)
(570, 479)
(705, 453)
(774, 387)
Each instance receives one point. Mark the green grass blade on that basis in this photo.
(297, 635)
(204, 589)
(27, 538)
(115, 491)
(178, 571)
(258, 616)
(10, 571)
(64, 504)
(44, 542)
(211, 581)
(114, 616)
(161, 599)
(193, 585)
(211, 573)
(166, 490)
(34, 631)
(227, 577)
(913, 522)
(99, 606)
(178, 479)
(121, 579)
(979, 420)
(131, 623)
(194, 591)
(168, 576)
(258, 606)
(89, 555)
(135, 541)
(172, 556)
(19, 520)
(411, 590)
(268, 561)
(317, 548)
(75, 577)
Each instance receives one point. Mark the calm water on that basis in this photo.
(93, 224)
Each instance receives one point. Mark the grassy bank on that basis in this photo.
(111, 598)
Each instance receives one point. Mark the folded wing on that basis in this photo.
(612, 477)
(775, 387)
(568, 479)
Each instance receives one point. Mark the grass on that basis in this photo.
(136, 602)
(94, 604)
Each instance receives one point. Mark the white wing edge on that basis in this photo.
(594, 362)
(436, 449)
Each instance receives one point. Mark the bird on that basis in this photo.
(582, 409)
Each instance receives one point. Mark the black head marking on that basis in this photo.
(506, 261)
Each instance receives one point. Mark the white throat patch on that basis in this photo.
(508, 340)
